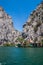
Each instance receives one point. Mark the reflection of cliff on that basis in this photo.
(33, 28)
(7, 31)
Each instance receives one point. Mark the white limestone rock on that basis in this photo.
(7, 32)
(33, 28)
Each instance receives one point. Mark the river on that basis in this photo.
(21, 56)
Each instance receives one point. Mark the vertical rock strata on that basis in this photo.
(7, 31)
(33, 28)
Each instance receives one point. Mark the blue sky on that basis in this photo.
(19, 10)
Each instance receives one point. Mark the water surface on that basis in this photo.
(21, 56)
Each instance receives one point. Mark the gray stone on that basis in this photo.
(7, 32)
(34, 25)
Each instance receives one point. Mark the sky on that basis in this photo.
(19, 10)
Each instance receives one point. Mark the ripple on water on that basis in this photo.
(3, 63)
(0, 63)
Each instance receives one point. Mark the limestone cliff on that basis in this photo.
(33, 28)
(7, 31)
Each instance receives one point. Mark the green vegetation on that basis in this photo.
(38, 24)
(19, 45)
(42, 41)
(35, 29)
(24, 43)
(35, 39)
(7, 44)
(20, 39)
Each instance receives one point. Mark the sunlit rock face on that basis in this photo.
(33, 28)
(7, 32)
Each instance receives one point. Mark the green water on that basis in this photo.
(21, 56)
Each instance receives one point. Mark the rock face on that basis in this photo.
(33, 28)
(7, 31)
